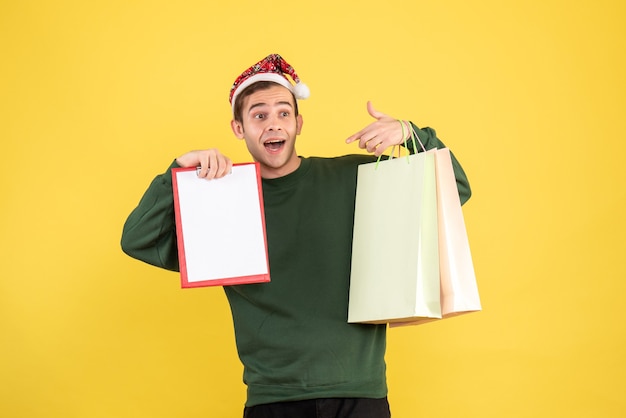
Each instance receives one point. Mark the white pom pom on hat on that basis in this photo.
(271, 68)
(301, 91)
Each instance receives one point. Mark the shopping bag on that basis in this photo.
(395, 261)
(459, 290)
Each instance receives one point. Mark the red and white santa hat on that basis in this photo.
(271, 68)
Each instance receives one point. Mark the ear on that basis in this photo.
(237, 128)
(299, 123)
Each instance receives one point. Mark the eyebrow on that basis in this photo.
(261, 104)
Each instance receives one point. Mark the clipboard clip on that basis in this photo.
(198, 169)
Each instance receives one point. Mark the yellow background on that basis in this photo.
(97, 97)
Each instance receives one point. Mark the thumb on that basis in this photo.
(373, 112)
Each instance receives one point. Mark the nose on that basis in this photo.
(273, 123)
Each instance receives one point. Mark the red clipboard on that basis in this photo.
(220, 227)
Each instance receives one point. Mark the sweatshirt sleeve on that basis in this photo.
(428, 138)
(149, 233)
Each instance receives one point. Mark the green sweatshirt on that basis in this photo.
(292, 333)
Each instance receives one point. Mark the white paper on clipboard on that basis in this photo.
(220, 226)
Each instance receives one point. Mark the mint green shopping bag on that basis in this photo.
(395, 258)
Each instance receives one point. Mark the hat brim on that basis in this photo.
(273, 77)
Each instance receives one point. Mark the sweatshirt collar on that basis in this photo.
(291, 178)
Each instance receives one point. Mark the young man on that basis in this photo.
(301, 358)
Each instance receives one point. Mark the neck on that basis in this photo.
(268, 172)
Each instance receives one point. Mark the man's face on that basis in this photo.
(269, 126)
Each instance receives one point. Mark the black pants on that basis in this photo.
(322, 408)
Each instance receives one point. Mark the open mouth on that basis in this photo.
(274, 145)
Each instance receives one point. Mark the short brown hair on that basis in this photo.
(261, 85)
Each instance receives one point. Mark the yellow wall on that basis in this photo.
(97, 97)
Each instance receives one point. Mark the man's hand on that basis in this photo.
(213, 164)
(381, 134)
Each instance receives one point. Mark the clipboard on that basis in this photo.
(220, 227)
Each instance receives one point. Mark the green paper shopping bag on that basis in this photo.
(395, 259)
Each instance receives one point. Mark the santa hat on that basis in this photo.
(271, 68)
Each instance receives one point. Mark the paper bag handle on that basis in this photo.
(413, 136)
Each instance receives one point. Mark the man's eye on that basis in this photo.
(259, 116)
(284, 114)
